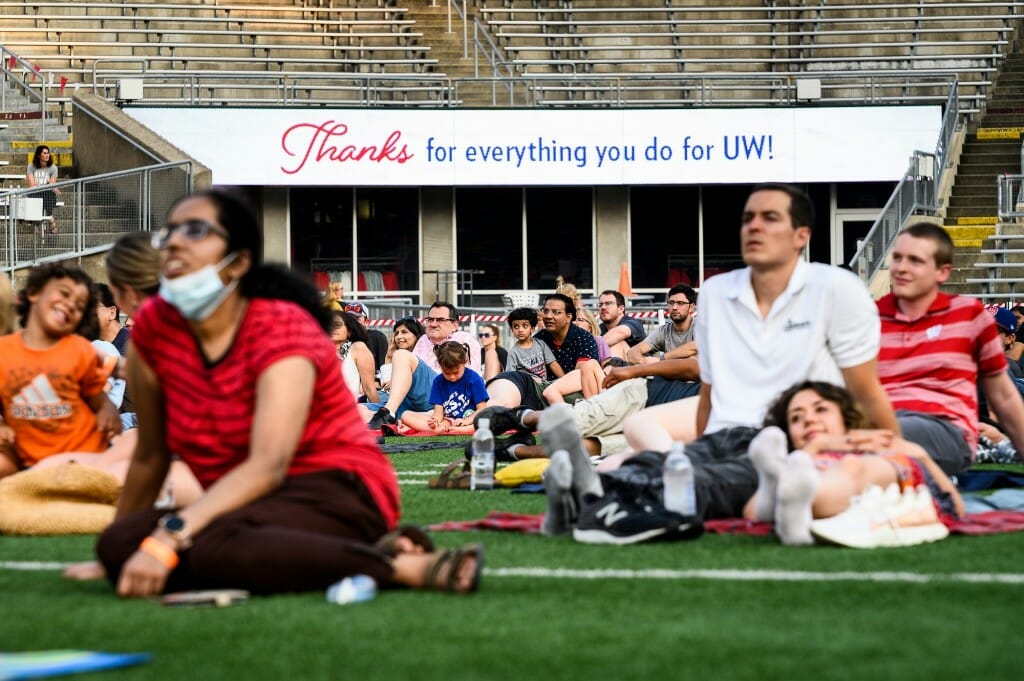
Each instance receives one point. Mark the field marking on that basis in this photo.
(31, 565)
(656, 573)
(759, 575)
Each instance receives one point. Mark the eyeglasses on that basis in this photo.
(548, 310)
(337, 325)
(193, 230)
(485, 335)
(356, 310)
(679, 303)
(608, 303)
(437, 320)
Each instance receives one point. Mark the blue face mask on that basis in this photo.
(198, 294)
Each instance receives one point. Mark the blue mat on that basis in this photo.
(45, 663)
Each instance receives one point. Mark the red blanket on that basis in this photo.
(990, 522)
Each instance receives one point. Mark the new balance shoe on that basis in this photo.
(887, 518)
(380, 418)
(503, 419)
(612, 520)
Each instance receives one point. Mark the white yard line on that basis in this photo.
(759, 575)
(721, 575)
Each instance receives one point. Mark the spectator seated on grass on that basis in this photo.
(357, 365)
(675, 338)
(233, 371)
(456, 394)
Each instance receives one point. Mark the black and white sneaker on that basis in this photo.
(502, 445)
(611, 520)
(381, 418)
(503, 419)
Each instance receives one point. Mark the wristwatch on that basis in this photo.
(174, 525)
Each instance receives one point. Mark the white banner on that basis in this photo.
(456, 147)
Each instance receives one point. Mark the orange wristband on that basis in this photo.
(162, 552)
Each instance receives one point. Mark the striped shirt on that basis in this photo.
(931, 364)
(209, 407)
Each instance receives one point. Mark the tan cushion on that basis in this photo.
(65, 499)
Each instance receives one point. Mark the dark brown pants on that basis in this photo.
(309, 533)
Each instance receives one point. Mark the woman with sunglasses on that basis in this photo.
(492, 355)
(351, 342)
(231, 369)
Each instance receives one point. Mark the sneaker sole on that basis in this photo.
(903, 536)
(604, 537)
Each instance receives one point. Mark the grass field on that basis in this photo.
(721, 607)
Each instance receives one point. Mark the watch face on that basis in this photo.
(173, 523)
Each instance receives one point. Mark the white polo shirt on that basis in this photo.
(824, 320)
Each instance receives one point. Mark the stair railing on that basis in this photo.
(19, 72)
(915, 194)
(97, 209)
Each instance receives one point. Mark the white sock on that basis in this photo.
(561, 514)
(798, 482)
(558, 431)
(768, 452)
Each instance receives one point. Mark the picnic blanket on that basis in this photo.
(45, 663)
(989, 522)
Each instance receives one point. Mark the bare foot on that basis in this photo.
(85, 571)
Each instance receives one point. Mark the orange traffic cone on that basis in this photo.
(624, 287)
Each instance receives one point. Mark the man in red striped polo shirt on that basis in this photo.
(934, 349)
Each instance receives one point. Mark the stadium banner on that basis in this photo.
(480, 147)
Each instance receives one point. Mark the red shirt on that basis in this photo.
(931, 364)
(209, 408)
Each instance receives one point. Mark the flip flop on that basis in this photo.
(455, 475)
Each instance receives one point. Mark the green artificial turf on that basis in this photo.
(557, 627)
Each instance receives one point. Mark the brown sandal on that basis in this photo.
(388, 543)
(455, 475)
(452, 560)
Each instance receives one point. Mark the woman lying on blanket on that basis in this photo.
(834, 458)
(231, 369)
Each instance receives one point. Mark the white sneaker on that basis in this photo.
(880, 518)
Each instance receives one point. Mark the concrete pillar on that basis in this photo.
(611, 235)
(437, 245)
(275, 219)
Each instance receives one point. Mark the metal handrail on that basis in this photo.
(138, 196)
(915, 194)
(8, 62)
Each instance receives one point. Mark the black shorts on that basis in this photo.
(530, 388)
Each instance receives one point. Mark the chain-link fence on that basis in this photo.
(79, 217)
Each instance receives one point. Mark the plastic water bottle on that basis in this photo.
(482, 466)
(354, 589)
(679, 495)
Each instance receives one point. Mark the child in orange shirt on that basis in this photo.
(51, 378)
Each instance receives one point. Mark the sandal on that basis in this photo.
(388, 543)
(452, 560)
(455, 475)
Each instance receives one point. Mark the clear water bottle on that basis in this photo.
(679, 495)
(354, 589)
(482, 466)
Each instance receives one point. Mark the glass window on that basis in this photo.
(559, 236)
(723, 211)
(387, 223)
(663, 236)
(863, 194)
(321, 227)
(489, 236)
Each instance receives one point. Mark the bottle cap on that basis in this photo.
(483, 424)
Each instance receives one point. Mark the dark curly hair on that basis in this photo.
(853, 417)
(41, 275)
(356, 331)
